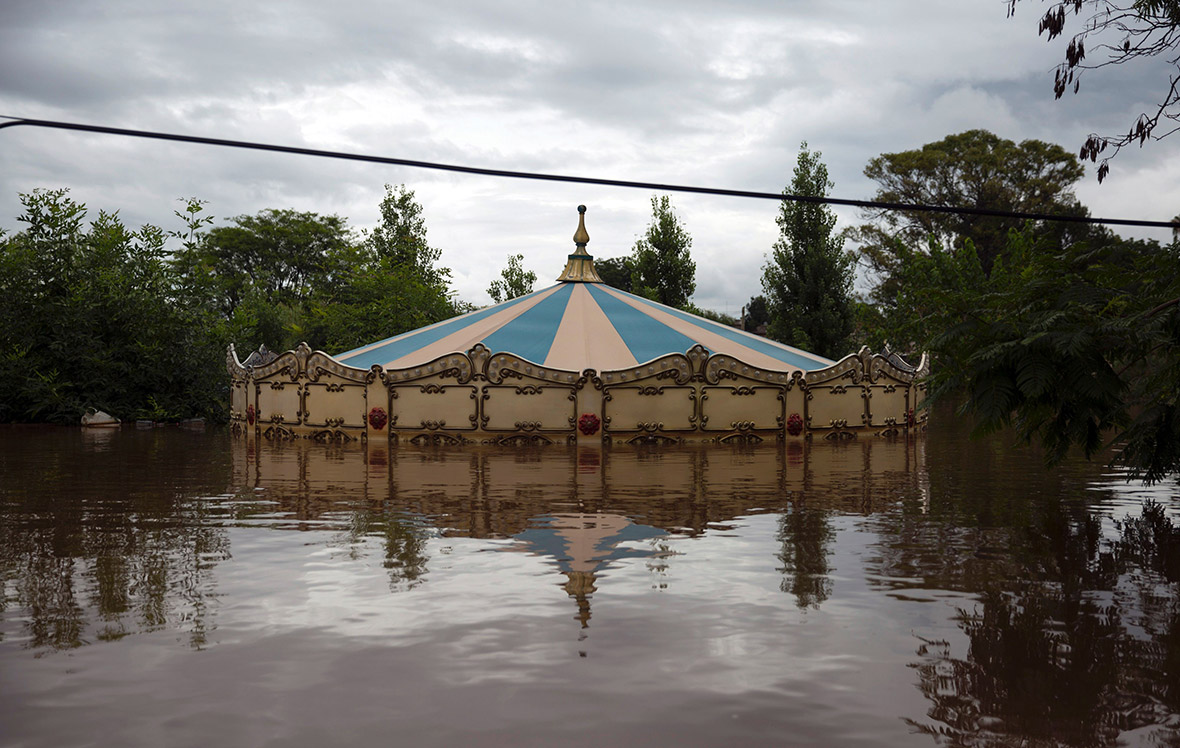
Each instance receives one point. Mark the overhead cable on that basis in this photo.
(507, 173)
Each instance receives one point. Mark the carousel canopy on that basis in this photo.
(580, 323)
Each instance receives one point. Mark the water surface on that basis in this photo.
(168, 587)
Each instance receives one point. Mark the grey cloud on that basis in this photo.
(694, 92)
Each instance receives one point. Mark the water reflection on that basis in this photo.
(583, 509)
(885, 588)
(81, 563)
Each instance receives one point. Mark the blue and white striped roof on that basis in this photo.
(578, 325)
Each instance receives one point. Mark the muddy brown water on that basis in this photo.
(169, 587)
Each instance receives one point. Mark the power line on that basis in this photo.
(507, 173)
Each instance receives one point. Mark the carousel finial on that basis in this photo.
(580, 236)
(579, 266)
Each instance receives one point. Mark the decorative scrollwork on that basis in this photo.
(742, 425)
(433, 425)
(528, 389)
(524, 440)
(654, 439)
(279, 433)
(436, 440)
(528, 425)
(333, 436)
(740, 438)
(589, 376)
(650, 391)
(839, 435)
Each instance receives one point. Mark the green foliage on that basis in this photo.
(93, 318)
(974, 169)
(100, 316)
(379, 299)
(616, 271)
(284, 256)
(709, 314)
(514, 281)
(1073, 347)
(661, 267)
(390, 285)
(757, 313)
(400, 237)
(808, 279)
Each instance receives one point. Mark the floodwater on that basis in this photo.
(168, 587)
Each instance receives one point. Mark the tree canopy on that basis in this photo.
(94, 315)
(975, 169)
(99, 315)
(400, 237)
(616, 271)
(1074, 346)
(514, 281)
(662, 267)
(1121, 32)
(808, 280)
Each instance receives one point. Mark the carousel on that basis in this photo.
(577, 362)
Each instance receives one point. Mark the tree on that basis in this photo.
(808, 280)
(756, 313)
(514, 281)
(95, 316)
(1077, 346)
(377, 299)
(284, 256)
(401, 237)
(974, 169)
(616, 271)
(389, 287)
(662, 268)
(1124, 31)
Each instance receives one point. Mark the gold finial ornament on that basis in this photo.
(579, 267)
(580, 236)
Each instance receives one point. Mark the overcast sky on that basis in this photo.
(686, 92)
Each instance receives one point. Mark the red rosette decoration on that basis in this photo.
(588, 424)
(910, 419)
(795, 424)
(378, 418)
(250, 414)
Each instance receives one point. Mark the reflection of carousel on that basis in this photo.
(579, 361)
(583, 509)
(582, 544)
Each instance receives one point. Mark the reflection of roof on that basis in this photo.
(578, 324)
(584, 542)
